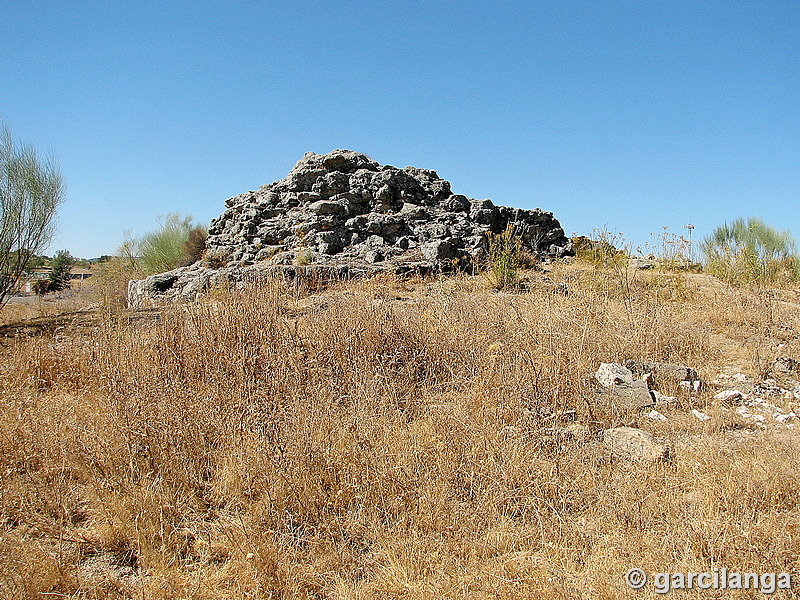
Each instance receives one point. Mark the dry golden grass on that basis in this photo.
(385, 440)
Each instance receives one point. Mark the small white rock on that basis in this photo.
(662, 400)
(700, 415)
(691, 386)
(654, 415)
(612, 373)
(728, 395)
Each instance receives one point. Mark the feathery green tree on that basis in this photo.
(30, 191)
(750, 251)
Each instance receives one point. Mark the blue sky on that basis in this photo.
(627, 115)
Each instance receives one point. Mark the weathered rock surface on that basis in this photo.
(633, 387)
(343, 208)
(663, 373)
(624, 399)
(634, 444)
(612, 373)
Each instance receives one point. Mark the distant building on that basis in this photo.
(78, 273)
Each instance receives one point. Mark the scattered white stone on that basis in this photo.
(649, 379)
(743, 412)
(610, 374)
(654, 415)
(763, 405)
(784, 417)
(662, 400)
(728, 396)
(741, 377)
(700, 415)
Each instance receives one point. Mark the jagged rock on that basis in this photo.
(346, 209)
(640, 263)
(663, 401)
(654, 415)
(189, 282)
(667, 376)
(621, 393)
(612, 373)
(634, 444)
(700, 415)
(728, 397)
(625, 398)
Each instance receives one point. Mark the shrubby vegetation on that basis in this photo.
(507, 257)
(178, 242)
(31, 189)
(750, 251)
(60, 268)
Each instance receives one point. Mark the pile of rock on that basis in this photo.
(637, 386)
(346, 212)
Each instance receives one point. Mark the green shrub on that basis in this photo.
(179, 242)
(505, 259)
(750, 251)
(60, 269)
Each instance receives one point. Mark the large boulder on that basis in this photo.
(343, 208)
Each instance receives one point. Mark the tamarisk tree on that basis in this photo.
(31, 189)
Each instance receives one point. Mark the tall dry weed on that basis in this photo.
(375, 440)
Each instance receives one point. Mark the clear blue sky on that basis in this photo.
(629, 115)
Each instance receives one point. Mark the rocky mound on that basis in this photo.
(349, 215)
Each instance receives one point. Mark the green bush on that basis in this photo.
(179, 242)
(505, 259)
(60, 269)
(750, 251)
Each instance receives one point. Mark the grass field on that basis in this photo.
(389, 439)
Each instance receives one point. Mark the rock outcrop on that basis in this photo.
(345, 213)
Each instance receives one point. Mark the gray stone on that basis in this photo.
(324, 207)
(612, 373)
(663, 401)
(639, 263)
(352, 197)
(437, 251)
(663, 372)
(625, 398)
(634, 444)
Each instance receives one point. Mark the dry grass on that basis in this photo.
(384, 440)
